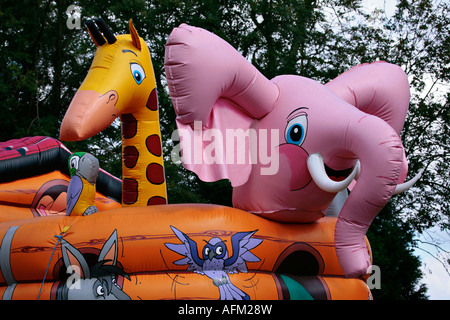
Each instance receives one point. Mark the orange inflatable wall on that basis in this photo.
(284, 261)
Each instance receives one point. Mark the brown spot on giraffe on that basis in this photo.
(130, 156)
(155, 173)
(152, 102)
(153, 143)
(156, 200)
(129, 125)
(129, 191)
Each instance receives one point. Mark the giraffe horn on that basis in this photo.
(94, 33)
(107, 32)
(134, 35)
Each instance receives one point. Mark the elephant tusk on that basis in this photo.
(357, 170)
(402, 187)
(317, 171)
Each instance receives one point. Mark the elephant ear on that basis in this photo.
(220, 149)
(380, 89)
(214, 90)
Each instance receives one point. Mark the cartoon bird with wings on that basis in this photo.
(215, 262)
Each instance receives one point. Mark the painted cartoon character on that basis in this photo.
(83, 168)
(215, 262)
(102, 280)
(312, 140)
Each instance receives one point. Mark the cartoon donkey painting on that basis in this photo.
(101, 281)
(324, 136)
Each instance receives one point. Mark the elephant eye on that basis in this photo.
(296, 130)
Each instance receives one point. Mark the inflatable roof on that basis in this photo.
(32, 156)
(34, 177)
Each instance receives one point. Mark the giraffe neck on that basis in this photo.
(143, 175)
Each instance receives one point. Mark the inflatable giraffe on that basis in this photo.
(121, 83)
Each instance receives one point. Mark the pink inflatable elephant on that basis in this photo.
(289, 144)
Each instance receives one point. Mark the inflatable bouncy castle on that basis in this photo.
(69, 230)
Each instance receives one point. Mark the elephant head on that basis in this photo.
(303, 141)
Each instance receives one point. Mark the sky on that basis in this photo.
(387, 5)
(435, 276)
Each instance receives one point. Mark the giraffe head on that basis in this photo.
(120, 80)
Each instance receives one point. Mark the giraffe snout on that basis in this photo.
(88, 114)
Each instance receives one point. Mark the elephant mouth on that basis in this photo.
(337, 175)
(306, 167)
(328, 179)
(333, 181)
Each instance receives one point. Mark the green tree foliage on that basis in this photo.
(43, 62)
(416, 38)
(33, 56)
(392, 242)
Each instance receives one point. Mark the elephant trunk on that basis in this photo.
(386, 95)
(201, 68)
(380, 151)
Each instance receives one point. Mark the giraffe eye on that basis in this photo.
(138, 72)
